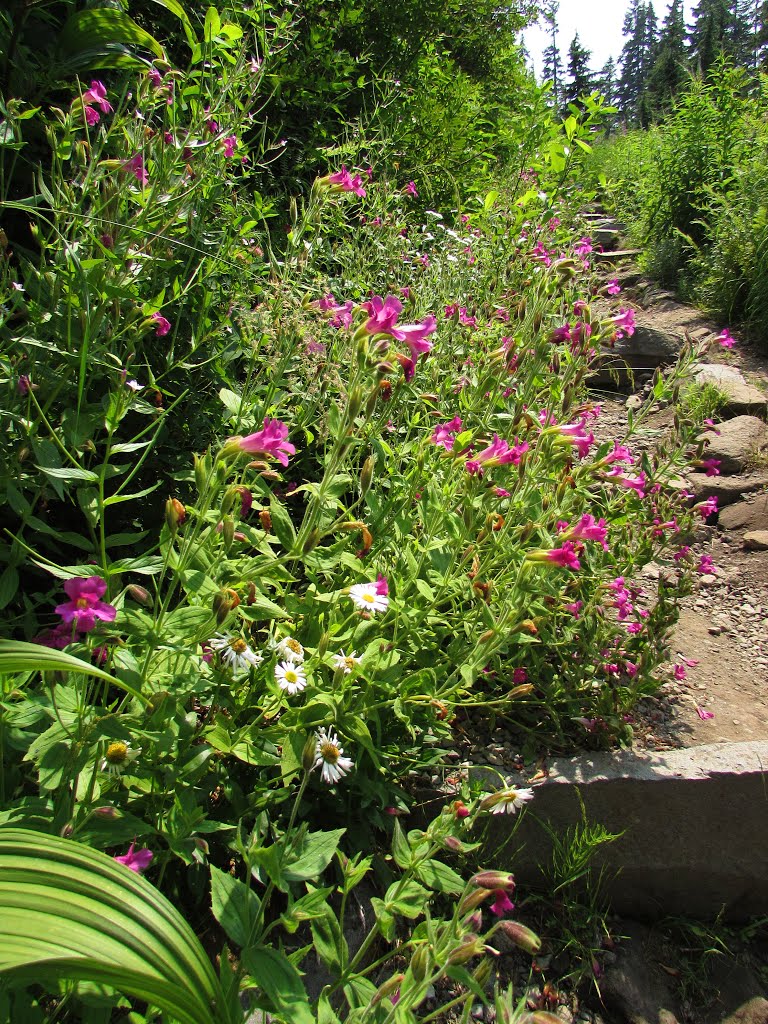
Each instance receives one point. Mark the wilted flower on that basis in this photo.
(291, 650)
(85, 605)
(235, 652)
(118, 756)
(328, 757)
(346, 663)
(506, 801)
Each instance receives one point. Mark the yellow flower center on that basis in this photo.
(239, 646)
(117, 753)
(291, 676)
(329, 752)
(349, 663)
(294, 645)
(82, 602)
(370, 598)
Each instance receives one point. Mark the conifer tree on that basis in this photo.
(553, 65)
(581, 78)
(669, 68)
(637, 59)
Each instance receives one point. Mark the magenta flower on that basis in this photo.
(560, 334)
(465, 319)
(564, 556)
(613, 287)
(92, 116)
(574, 433)
(706, 566)
(636, 483)
(711, 467)
(155, 78)
(85, 605)
(382, 315)
(162, 326)
(620, 453)
(326, 303)
(707, 508)
(704, 715)
(410, 188)
(725, 340)
(381, 585)
(498, 453)
(445, 433)
(588, 528)
(270, 441)
(415, 335)
(583, 247)
(625, 322)
(519, 676)
(98, 94)
(502, 904)
(229, 144)
(23, 384)
(136, 166)
(344, 181)
(136, 860)
(679, 673)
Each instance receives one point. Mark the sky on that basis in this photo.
(598, 23)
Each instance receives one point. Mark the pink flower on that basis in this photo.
(707, 508)
(706, 566)
(625, 322)
(229, 144)
(679, 673)
(583, 247)
(575, 434)
(636, 483)
(564, 556)
(520, 675)
(98, 94)
(136, 166)
(136, 860)
(410, 188)
(23, 384)
(155, 78)
(574, 608)
(270, 441)
(91, 116)
(414, 335)
(620, 453)
(163, 326)
(711, 467)
(344, 181)
(57, 638)
(560, 334)
(502, 904)
(498, 453)
(382, 315)
(588, 528)
(704, 715)
(613, 287)
(445, 433)
(465, 319)
(381, 585)
(725, 340)
(85, 605)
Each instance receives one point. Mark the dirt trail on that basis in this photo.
(723, 625)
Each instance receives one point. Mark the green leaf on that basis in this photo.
(261, 608)
(19, 656)
(328, 941)
(212, 24)
(408, 900)
(281, 982)
(73, 913)
(401, 851)
(95, 29)
(70, 473)
(439, 876)
(312, 855)
(282, 525)
(311, 906)
(235, 906)
(175, 8)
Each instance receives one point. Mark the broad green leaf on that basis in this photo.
(408, 899)
(312, 855)
(313, 905)
(281, 983)
(282, 525)
(70, 473)
(99, 27)
(176, 8)
(235, 906)
(19, 656)
(73, 913)
(401, 851)
(439, 876)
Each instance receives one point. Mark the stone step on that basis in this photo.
(616, 255)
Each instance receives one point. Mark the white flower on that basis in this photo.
(328, 757)
(506, 801)
(134, 385)
(119, 755)
(290, 650)
(367, 596)
(346, 663)
(290, 677)
(235, 652)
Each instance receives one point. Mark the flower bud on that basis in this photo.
(228, 531)
(322, 647)
(370, 405)
(366, 475)
(266, 520)
(309, 753)
(521, 306)
(355, 402)
(389, 987)
(473, 922)
(175, 514)
(106, 812)
(522, 937)
(202, 469)
(312, 541)
(473, 899)
(494, 880)
(469, 947)
(420, 963)
(543, 1017)
(139, 594)
(228, 501)
(67, 830)
(482, 973)
(537, 318)
(223, 603)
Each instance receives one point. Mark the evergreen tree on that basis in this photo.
(553, 65)
(637, 59)
(713, 32)
(669, 68)
(607, 82)
(581, 78)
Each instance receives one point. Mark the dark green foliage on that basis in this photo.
(669, 69)
(581, 79)
(553, 65)
(637, 58)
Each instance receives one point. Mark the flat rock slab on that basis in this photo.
(616, 255)
(726, 489)
(694, 824)
(756, 540)
(745, 515)
(741, 397)
(736, 442)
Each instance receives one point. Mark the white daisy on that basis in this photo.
(290, 677)
(367, 596)
(290, 650)
(346, 663)
(506, 801)
(118, 756)
(328, 757)
(235, 652)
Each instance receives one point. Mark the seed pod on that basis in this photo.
(175, 514)
(420, 963)
(522, 937)
(266, 520)
(309, 754)
(312, 541)
(390, 986)
(366, 475)
(228, 531)
(355, 402)
(139, 594)
(202, 469)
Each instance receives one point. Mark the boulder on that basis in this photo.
(741, 397)
(756, 540)
(726, 489)
(736, 443)
(635, 989)
(746, 515)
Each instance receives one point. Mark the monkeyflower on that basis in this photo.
(445, 433)
(382, 315)
(97, 95)
(342, 181)
(502, 904)
(410, 188)
(270, 441)
(704, 715)
(575, 434)
(162, 326)
(136, 166)
(636, 483)
(725, 340)
(711, 467)
(620, 453)
(135, 860)
(612, 288)
(415, 335)
(229, 143)
(587, 528)
(85, 605)
(498, 453)
(706, 508)
(564, 556)
(624, 322)
(706, 566)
